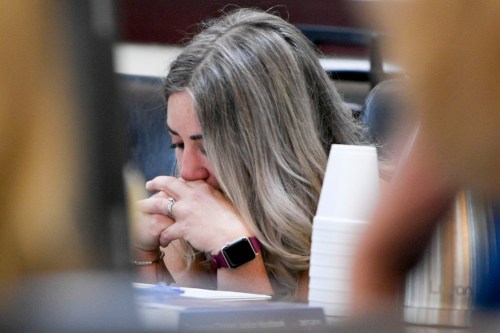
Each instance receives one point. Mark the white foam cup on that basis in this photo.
(335, 224)
(327, 260)
(351, 184)
(329, 283)
(330, 296)
(348, 197)
(336, 274)
(333, 249)
(336, 237)
(332, 309)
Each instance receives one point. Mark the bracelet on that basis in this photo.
(146, 262)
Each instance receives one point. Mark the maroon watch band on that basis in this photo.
(220, 261)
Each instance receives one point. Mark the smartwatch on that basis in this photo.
(236, 253)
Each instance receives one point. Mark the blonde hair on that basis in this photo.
(269, 114)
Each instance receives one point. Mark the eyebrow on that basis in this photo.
(194, 137)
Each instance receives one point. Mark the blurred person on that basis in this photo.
(49, 273)
(451, 52)
(252, 116)
(41, 180)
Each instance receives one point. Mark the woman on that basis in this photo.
(252, 116)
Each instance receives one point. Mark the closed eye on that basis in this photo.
(179, 145)
(201, 148)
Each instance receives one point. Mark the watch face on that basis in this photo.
(238, 253)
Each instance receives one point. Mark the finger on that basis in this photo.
(153, 205)
(193, 183)
(160, 194)
(146, 236)
(167, 184)
(168, 235)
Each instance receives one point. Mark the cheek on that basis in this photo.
(178, 157)
(212, 180)
(208, 166)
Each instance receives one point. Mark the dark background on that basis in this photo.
(169, 21)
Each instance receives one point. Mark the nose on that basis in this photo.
(192, 166)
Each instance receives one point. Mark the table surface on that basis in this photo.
(104, 302)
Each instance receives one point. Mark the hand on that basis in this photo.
(203, 216)
(152, 220)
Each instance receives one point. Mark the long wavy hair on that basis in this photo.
(269, 115)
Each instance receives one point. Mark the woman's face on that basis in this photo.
(187, 139)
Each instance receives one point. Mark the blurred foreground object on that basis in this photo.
(61, 203)
(450, 51)
(40, 153)
(62, 140)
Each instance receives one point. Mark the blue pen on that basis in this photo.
(159, 293)
(165, 289)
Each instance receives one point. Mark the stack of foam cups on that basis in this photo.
(348, 196)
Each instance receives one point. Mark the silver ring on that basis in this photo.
(170, 204)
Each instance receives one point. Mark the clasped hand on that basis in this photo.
(201, 215)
